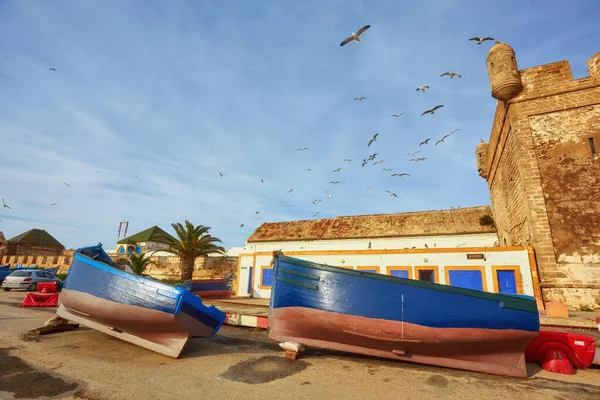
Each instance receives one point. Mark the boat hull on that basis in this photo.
(139, 310)
(492, 351)
(212, 288)
(154, 330)
(334, 308)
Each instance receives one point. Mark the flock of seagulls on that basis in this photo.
(356, 37)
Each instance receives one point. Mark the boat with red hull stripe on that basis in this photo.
(359, 312)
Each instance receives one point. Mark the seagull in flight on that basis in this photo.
(53, 204)
(386, 169)
(373, 139)
(262, 181)
(257, 212)
(425, 141)
(369, 188)
(241, 225)
(441, 140)
(423, 88)
(66, 184)
(5, 205)
(135, 176)
(348, 159)
(329, 195)
(316, 201)
(334, 182)
(451, 74)
(309, 169)
(391, 193)
(70, 232)
(286, 206)
(302, 148)
(414, 153)
(290, 191)
(360, 98)
(220, 174)
(372, 157)
(397, 115)
(315, 214)
(481, 40)
(337, 170)
(364, 162)
(402, 174)
(417, 159)
(378, 162)
(432, 110)
(256, 219)
(456, 130)
(355, 36)
(52, 69)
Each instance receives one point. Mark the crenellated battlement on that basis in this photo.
(556, 78)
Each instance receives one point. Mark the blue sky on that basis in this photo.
(177, 91)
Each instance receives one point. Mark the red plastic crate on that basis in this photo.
(40, 300)
(47, 287)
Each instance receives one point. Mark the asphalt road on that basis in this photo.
(237, 363)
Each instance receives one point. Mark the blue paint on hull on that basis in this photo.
(106, 282)
(299, 283)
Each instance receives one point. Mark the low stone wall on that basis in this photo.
(63, 262)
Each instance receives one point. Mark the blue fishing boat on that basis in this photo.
(359, 312)
(212, 288)
(139, 310)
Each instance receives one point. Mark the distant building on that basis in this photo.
(147, 240)
(542, 166)
(456, 246)
(35, 242)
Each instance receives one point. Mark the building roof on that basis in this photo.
(37, 237)
(152, 234)
(436, 222)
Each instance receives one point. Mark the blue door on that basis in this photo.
(250, 275)
(400, 273)
(466, 279)
(506, 282)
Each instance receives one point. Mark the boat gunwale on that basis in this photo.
(516, 303)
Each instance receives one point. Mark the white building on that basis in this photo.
(457, 247)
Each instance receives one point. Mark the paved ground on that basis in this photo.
(236, 363)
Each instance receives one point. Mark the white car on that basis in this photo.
(27, 279)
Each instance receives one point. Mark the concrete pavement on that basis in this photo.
(237, 363)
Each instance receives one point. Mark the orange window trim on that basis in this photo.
(391, 268)
(364, 268)
(479, 268)
(263, 267)
(434, 268)
(518, 276)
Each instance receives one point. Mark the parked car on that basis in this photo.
(27, 280)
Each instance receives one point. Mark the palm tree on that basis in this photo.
(192, 242)
(137, 263)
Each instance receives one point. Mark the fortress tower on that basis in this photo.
(542, 166)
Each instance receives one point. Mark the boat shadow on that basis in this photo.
(225, 344)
